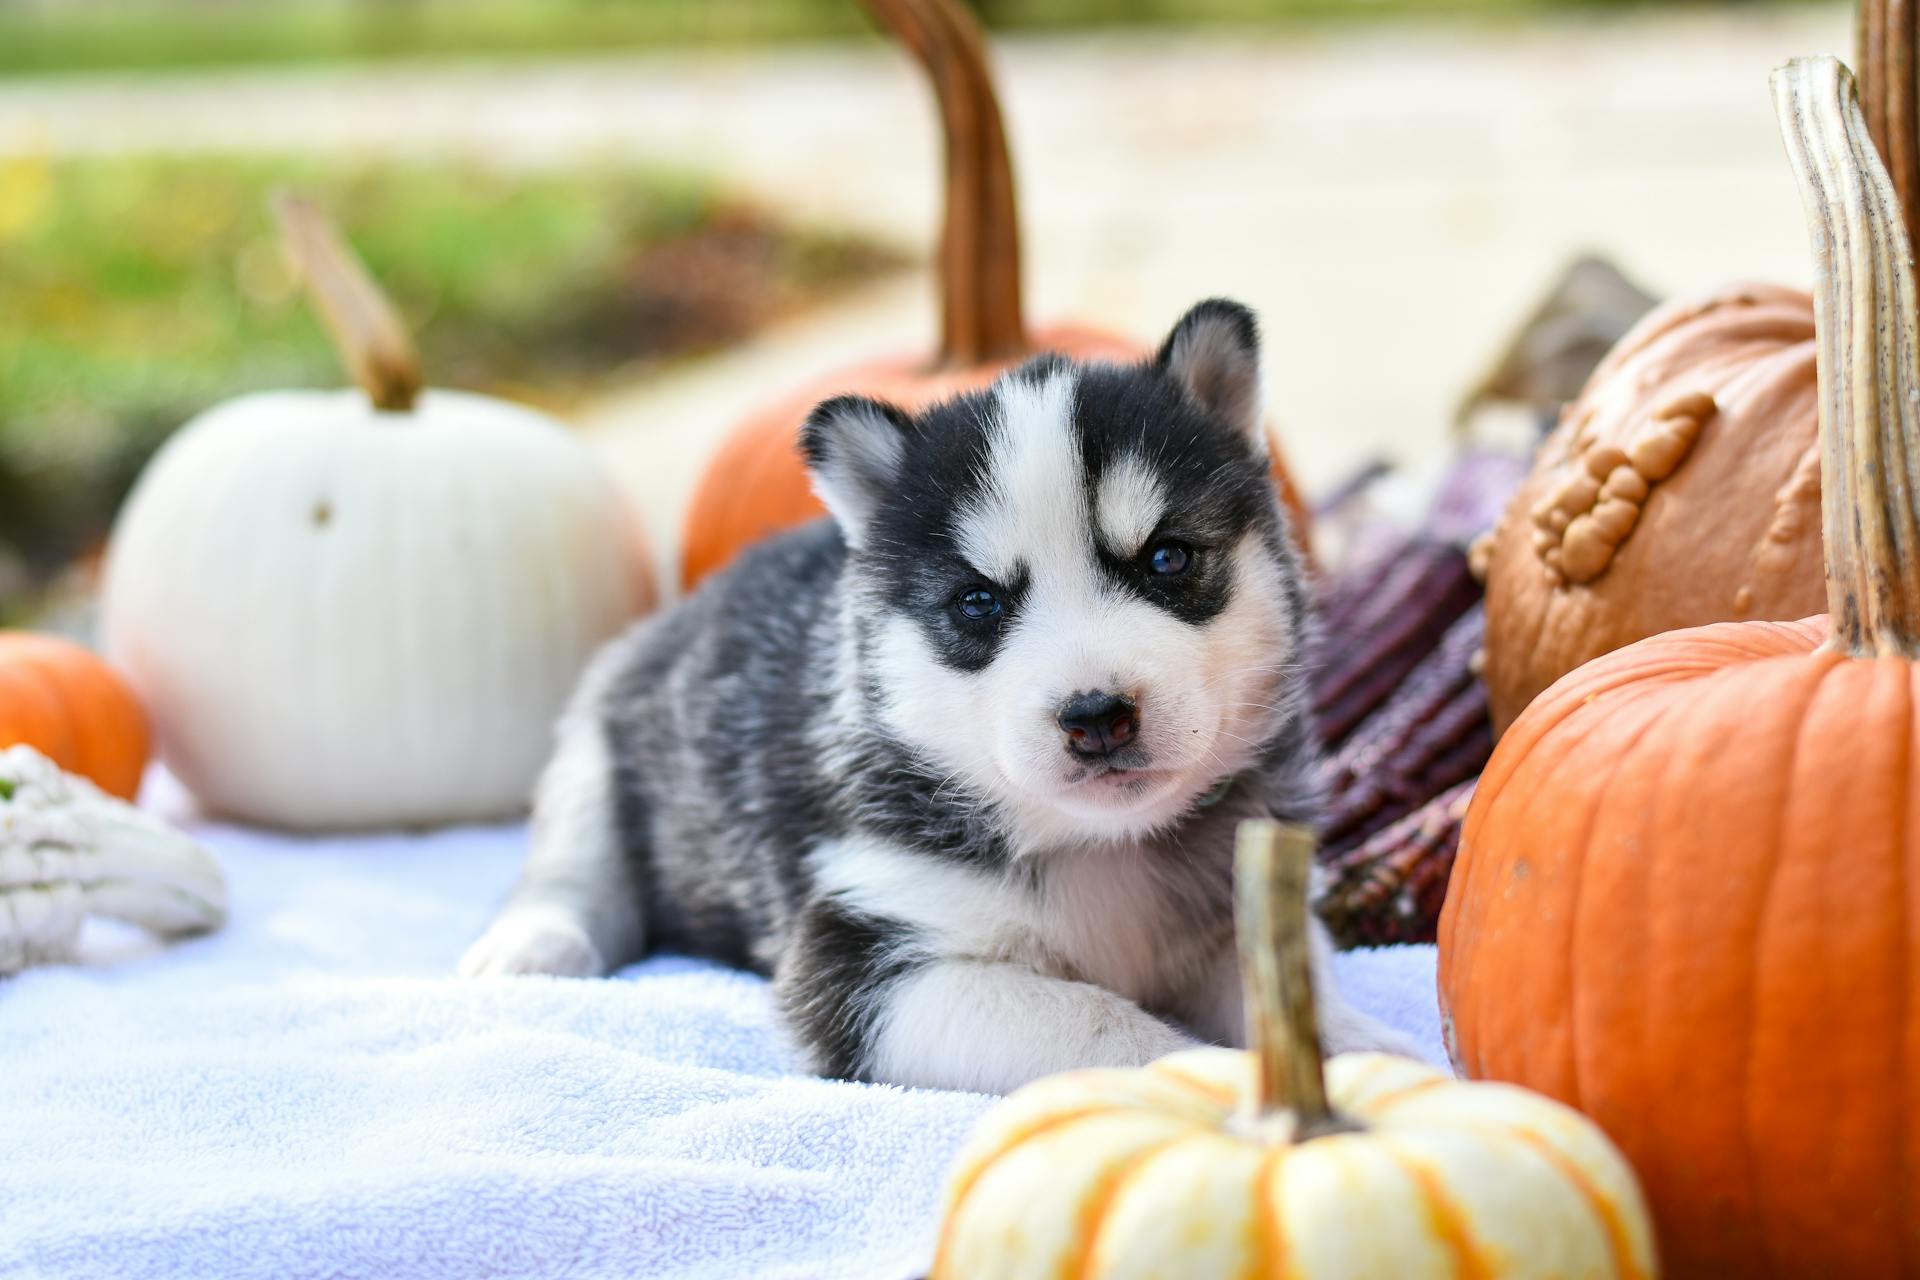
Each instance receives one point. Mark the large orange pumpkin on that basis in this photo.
(756, 485)
(74, 709)
(1686, 887)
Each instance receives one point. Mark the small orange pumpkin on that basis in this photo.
(1684, 893)
(756, 484)
(74, 709)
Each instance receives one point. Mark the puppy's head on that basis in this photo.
(1074, 588)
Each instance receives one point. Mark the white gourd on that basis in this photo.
(1216, 1164)
(352, 610)
(68, 851)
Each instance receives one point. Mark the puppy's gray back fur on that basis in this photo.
(712, 720)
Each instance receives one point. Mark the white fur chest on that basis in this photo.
(1135, 920)
(1127, 918)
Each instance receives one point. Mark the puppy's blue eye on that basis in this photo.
(1170, 559)
(978, 604)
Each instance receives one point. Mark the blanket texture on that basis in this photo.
(308, 1094)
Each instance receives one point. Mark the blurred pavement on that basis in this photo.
(1391, 199)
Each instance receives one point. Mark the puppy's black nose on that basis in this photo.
(1098, 724)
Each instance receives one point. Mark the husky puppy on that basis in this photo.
(961, 768)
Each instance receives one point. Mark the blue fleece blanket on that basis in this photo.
(308, 1094)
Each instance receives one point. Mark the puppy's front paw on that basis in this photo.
(533, 940)
(1344, 1029)
(1135, 1041)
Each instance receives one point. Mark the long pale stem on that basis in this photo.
(1864, 316)
(367, 332)
(1270, 868)
(980, 307)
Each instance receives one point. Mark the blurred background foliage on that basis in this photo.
(135, 291)
(60, 35)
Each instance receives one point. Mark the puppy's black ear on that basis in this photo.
(854, 448)
(1214, 354)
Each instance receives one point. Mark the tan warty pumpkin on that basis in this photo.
(1683, 486)
(1685, 894)
(756, 484)
(1217, 1164)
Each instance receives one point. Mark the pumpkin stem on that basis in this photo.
(1885, 43)
(1271, 861)
(367, 332)
(980, 241)
(1863, 301)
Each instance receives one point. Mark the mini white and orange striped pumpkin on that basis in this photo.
(1383, 1167)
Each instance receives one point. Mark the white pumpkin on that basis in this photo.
(345, 616)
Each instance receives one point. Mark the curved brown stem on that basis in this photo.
(1868, 362)
(1886, 58)
(980, 308)
(1270, 868)
(367, 332)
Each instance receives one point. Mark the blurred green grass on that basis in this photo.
(135, 291)
(150, 34)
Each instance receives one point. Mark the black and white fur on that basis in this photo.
(822, 768)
